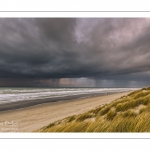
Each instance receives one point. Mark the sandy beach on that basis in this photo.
(35, 117)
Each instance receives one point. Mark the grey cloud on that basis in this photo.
(110, 49)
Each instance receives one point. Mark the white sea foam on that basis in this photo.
(8, 95)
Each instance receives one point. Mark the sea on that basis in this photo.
(9, 95)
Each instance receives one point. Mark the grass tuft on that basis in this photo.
(130, 113)
(104, 110)
(111, 114)
(84, 117)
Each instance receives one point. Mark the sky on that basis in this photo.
(75, 52)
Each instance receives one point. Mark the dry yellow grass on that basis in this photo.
(129, 113)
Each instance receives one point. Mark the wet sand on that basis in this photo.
(28, 103)
(31, 118)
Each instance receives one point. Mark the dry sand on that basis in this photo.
(35, 117)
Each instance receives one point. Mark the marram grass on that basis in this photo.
(129, 113)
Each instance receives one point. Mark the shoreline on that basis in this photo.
(32, 118)
(29, 103)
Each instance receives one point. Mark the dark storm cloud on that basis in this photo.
(58, 30)
(54, 48)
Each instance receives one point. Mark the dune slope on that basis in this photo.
(129, 113)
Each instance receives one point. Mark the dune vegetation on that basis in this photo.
(130, 113)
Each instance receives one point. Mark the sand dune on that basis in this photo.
(32, 118)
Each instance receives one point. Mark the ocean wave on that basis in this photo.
(20, 94)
